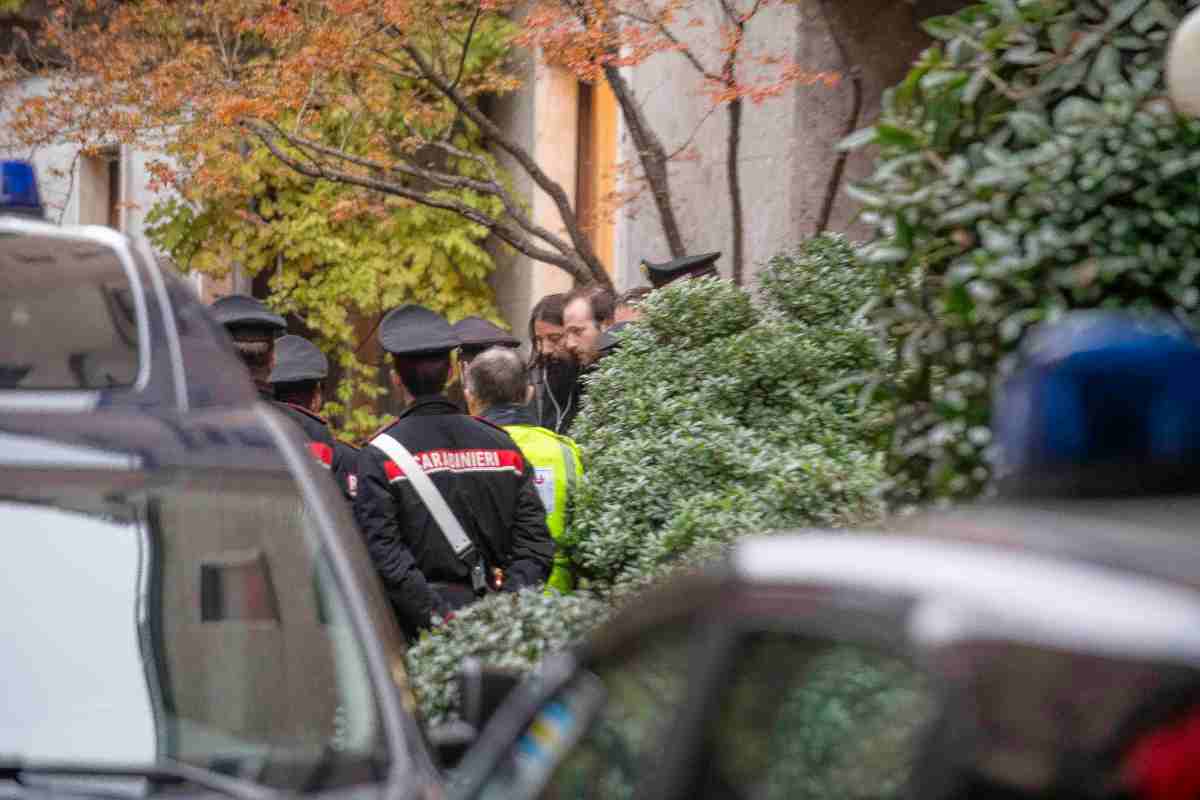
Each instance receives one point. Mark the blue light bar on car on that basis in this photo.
(19, 189)
(1103, 397)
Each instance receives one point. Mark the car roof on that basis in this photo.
(184, 357)
(1153, 536)
(962, 590)
(127, 439)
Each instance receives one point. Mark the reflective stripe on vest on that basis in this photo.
(569, 464)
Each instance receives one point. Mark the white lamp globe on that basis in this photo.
(1183, 66)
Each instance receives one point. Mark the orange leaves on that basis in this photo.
(231, 110)
(766, 87)
(586, 36)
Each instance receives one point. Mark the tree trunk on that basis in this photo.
(652, 156)
(735, 191)
(833, 188)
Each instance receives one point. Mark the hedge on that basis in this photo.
(1028, 164)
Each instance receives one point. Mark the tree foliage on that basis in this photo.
(377, 95)
(1029, 164)
(718, 417)
(336, 257)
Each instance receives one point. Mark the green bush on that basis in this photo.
(512, 631)
(1028, 164)
(719, 417)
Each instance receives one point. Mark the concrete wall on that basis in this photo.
(787, 151)
(75, 188)
(543, 117)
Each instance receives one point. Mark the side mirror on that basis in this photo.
(451, 741)
(483, 690)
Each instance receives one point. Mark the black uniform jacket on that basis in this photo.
(339, 458)
(486, 482)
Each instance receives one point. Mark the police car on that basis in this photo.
(869, 666)
(89, 320)
(187, 609)
(186, 606)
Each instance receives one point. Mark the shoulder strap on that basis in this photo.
(442, 515)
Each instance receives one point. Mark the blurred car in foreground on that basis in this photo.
(870, 666)
(1045, 643)
(186, 607)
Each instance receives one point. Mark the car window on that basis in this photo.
(629, 702)
(810, 719)
(67, 315)
(198, 621)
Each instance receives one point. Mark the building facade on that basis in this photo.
(789, 164)
(576, 133)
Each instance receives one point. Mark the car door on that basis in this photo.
(795, 692)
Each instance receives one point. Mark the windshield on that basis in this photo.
(197, 621)
(67, 315)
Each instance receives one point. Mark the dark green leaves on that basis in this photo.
(1043, 172)
(716, 418)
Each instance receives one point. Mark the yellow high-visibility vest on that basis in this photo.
(557, 469)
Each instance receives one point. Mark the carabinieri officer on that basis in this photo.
(447, 503)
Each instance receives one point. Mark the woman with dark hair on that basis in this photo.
(552, 371)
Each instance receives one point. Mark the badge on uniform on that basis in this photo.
(543, 479)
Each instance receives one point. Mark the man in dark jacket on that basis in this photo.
(552, 371)
(587, 313)
(475, 467)
(300, 369)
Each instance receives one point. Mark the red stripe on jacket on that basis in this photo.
(323, 453)
(460, 462)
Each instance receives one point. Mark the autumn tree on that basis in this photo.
(400, 76)
(337, 258)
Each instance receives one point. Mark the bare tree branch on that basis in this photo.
(504, 231)
(856, 104)
(582, 245)
(462, 62)
(436, 177)
(691, 136)
(653, 158)
(70, 185)
(445, 180)
(683, 49)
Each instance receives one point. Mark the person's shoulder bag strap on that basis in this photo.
(442, 514)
